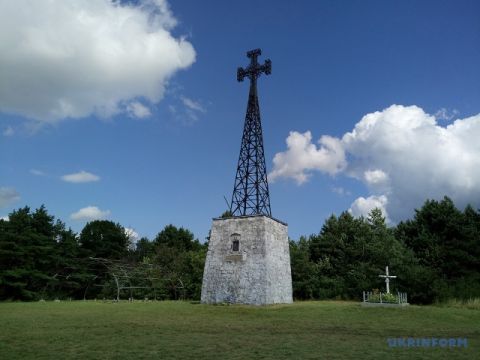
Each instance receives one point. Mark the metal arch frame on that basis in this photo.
(250, 192)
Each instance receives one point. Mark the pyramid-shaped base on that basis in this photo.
(248, 262)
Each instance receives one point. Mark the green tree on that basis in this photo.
(28, 254)
(445, 241)
(226, 214)
(144, 249)
(104, 239)
(179, 238)
(349, 253)
(304, 271)
(181, 259)
(72, 268)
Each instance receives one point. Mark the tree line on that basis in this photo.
(41, 259)
(435, 255)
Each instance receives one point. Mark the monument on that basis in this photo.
(248, 258)
(387, 299)
(387, 279)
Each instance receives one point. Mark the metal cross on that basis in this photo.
(254, 70)
(250, 192)
(387, 279)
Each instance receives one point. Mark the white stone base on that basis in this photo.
(258, 273)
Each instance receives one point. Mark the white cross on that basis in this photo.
(387, 279)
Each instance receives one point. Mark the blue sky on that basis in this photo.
(150, 110)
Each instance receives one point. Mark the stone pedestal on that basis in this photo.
(248, 262)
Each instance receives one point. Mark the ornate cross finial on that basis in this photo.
(254, 70)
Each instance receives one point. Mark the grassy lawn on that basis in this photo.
(181, 330)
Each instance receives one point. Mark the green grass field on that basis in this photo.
(181, 330)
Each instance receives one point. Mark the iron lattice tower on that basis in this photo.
(250, 192)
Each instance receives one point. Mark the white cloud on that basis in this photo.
(302, 156)
(8, 131)
(192, 104)
(340, 191)
(192, 117)
(8, 196)
(37, 172)
(172, 109)
(362, 206)
(138, 110)
(375, 177)
(90, 213)
(5, 218)
(400, 153)
(70, 59)
(132, 234)
(80, 177)
(188, 114)
(445, 114)
(421, 158)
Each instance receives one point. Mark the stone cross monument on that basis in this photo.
(248, 258)
(387, 279)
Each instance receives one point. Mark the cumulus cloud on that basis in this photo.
(90, 213)
(362, 206)
(70, 59)
(403, 156)
(375, 177)
(302, 157)
(138, 110)
(80, 177)
(8, 196)
(132, 234)
(5, 218)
